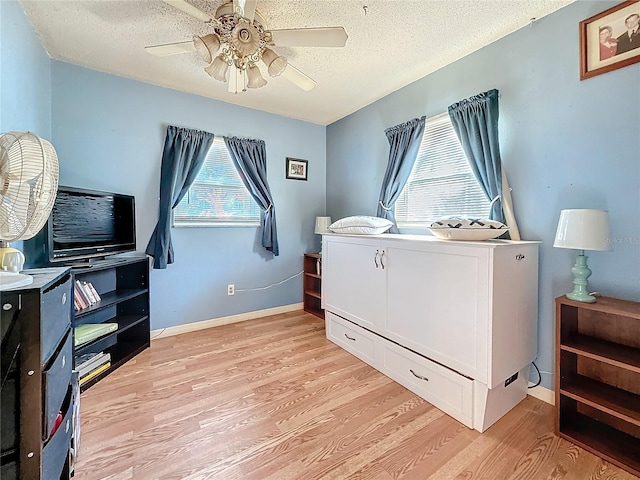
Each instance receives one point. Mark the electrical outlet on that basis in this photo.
(231, 290)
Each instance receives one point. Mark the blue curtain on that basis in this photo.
(184, 153)
(404, 140)
(475, 121)
(250, 158)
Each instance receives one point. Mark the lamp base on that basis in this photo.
(581, 272)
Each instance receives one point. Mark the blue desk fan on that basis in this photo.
(28, 187)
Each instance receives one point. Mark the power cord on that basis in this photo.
(539, 376)
(247, 290)
(158, 334)
(269, 286)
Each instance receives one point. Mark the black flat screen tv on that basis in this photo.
(88, 224)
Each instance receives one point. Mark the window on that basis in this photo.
(217, 197)
(441, 183)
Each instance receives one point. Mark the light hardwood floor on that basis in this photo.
(272, 398)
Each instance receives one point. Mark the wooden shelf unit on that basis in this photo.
(123, 285)
(312, 284)
(598, 378)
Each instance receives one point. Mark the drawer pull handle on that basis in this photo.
(418, 376)
(375, 258)
(64, 298)
(381, 259)
(30, 454)
(519, 257)
(30, 372)
(349, 338)
(7, 306)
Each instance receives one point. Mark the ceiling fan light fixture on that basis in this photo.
(245, 38)
(255, 78)
(218, 68)
(275, 63)
(207, 46)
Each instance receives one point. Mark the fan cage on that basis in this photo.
(28, 184)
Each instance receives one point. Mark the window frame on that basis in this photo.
(217, 222)
(423, 225)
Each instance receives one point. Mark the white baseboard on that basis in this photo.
(216, 322)
(542, 393)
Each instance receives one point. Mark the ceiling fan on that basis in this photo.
(241, 41)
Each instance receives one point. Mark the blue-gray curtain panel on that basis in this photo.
(250, 158)
(404, 140)
(184, 153)
(475, 121)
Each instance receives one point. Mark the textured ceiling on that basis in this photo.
(391, 44)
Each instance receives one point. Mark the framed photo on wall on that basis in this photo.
(296, 168)
(610, 39)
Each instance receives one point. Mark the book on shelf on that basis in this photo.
(81, 295)
(80, 359)
(94, 373)
(94, 292)
(84, 371)
(86, 365)
(78, 299)
(87, 291)
(88, 332)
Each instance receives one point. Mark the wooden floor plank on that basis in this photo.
(272, 399)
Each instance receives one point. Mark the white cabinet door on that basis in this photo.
(354, 280)
(438, 305)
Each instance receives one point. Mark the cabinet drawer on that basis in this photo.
(10, 333)
(354, 339)
(9, 312)
(55, 317)
(9, 471)
(55, 454)
(443, 388)
(9, 412)
(55, 382)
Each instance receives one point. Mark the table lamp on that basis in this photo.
(322, 226)
(582, 229)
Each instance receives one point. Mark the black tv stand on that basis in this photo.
(98, 262)
(123, 285)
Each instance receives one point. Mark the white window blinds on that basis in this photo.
(441, 183)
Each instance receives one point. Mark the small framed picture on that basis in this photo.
(297, 169)
(610, 39)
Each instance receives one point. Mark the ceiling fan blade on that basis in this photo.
(310, 37)
(190, 10)
(298, 78)
(245, 8)
(171, 49)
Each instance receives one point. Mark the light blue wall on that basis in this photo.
(109, 133)
(565, 143)
(25, 75)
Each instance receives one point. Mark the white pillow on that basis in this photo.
(361, 225)
(458, 228)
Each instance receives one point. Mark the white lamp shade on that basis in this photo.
(218, 68)
(322, 225)
(207, 46)
(255, 78)
(583, 229)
